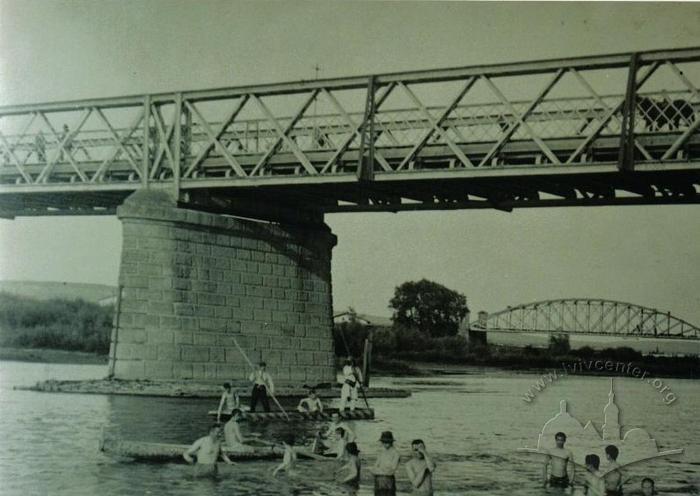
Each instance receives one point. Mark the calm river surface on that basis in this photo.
(473, 424)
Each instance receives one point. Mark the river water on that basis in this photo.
(473, 424)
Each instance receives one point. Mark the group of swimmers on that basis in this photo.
(556, 472)
(419, 468)
(337, 441)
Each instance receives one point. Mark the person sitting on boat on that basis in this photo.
(288, 459)
(229, 401)
(349, 473)
(420, 469)
(262, 384)
(207, 450)
(232, 434)
(341, 441)
(351, 383)
(327, 439)
(311, 404)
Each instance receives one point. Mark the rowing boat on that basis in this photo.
(165, 452)
(357, 414)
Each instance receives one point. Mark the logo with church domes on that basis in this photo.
(635, 444)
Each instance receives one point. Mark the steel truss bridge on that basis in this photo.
(585, 316)
(603, 130)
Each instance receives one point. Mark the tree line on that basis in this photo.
(57, 323)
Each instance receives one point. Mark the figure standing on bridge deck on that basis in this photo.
(40, 146)
(68, 144)
(262, 383)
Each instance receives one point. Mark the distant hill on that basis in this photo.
(46, 290)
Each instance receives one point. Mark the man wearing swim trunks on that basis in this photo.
(556, 463)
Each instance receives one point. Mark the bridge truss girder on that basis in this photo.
(533, 134)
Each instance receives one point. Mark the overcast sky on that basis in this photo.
(52, 50)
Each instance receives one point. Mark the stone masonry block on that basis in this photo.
(183, 337)
(194, 353)
(182, 370)
(129, 369)
(159, 370)
(206, 339)
(135, 336)
(160, 336)
(169, 352)
(216, 354)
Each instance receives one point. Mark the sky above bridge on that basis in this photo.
(52, 50)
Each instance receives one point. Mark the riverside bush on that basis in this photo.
(59, 324)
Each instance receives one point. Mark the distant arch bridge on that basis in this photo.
(587, 316)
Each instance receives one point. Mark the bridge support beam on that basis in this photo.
(193, 284)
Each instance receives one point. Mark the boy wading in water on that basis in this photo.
(613, 478)
(555, 465)
(207, 450)
(289, 459)
(420, 469)
(385, 466)
(349, 474)
(594, 485)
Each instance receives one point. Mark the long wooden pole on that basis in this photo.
(253, 367)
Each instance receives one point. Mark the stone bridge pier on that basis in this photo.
(193, 283)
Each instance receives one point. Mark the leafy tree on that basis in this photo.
(559, 344)
(429, 307)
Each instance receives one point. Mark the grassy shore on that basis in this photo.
(678, 367)
(47, 355)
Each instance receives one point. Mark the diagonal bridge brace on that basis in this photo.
(521, 118)
(436, 125)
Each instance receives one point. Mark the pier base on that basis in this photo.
(195, 284)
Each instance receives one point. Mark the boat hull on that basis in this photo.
(357, 414)
(165, 452)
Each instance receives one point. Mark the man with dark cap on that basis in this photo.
(262, 383)
(385, 466)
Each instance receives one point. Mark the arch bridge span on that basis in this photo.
(588, 316)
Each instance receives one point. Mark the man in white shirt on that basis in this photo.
(385, 466)
(262, 384)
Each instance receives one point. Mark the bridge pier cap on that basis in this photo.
(194, 285)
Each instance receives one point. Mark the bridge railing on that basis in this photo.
(562, 112)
